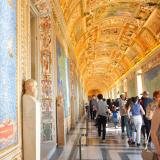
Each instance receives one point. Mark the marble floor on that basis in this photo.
(70, 148)
(114, 148)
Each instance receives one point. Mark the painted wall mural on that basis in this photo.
(8, 111)
(76, 93)
(63, 77)
(152, 79)
(131, 83)
(74, 86)
(47, 107)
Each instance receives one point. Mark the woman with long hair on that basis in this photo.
(128, 106)
(137, 110)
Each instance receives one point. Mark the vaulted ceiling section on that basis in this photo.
(110, 36)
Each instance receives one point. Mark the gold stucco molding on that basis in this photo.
(57, 12)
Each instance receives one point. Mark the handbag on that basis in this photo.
(147, 154)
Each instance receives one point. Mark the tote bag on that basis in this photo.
(147, 154)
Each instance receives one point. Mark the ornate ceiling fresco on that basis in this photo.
(110, 36)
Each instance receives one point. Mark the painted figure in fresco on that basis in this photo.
(46, 106)
(31, 122)
(46, 41)
(46, 88)
(11, 4)
(10, 47)
(47, 131)
(46, 61)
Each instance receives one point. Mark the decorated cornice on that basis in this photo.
(42, 7)
(57, 12)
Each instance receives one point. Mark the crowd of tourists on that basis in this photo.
(139, 118)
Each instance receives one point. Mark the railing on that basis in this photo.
(82, 135)
(80, 147)
(87, 119)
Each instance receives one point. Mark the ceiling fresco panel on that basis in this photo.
(153, 23)
(147, 38)
(110, 36)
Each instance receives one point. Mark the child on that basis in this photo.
(115, 116)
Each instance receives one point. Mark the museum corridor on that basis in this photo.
(62, 61)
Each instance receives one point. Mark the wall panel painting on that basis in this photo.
(147, 38)
(63, 77)
(131, 85)
(8, 110)
(46, 61)
(152, 79)
(76, 93)
(47, 132)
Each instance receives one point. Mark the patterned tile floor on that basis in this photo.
(115, 147)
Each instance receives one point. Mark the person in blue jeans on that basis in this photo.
(137, 112)
(145, 101)
(101, 116)
(129, 123)
(115, 116)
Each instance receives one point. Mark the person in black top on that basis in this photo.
(93, 105)
(145, 101)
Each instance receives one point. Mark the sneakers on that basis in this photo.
(132, 143)
(103, 140)
(138, 144)
(149, 145)
(144, 144)
(123, 134)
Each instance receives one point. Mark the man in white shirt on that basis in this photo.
(123, 113)
(102, 116)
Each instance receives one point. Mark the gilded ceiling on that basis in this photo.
(110, 36)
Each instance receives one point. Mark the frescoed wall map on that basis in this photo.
(8, 113)
(152, 79)
(131, 85)
(63, 77)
